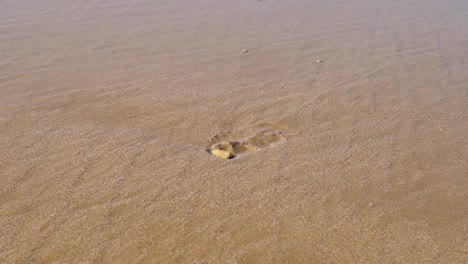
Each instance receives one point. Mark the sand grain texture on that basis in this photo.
(107, 109)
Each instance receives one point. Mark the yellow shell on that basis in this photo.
(221, 153)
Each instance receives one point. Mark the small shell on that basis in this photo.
(226, 146)
(222, 154)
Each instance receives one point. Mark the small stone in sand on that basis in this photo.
(244, 50)
(319, 61)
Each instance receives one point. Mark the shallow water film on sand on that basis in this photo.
(301, 131)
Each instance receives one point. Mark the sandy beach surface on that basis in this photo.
(347, 119)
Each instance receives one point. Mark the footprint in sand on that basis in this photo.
(262, 138)
(231, 149)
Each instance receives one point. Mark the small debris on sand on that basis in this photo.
(244, 50)
(319, 61)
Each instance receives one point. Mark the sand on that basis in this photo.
(352, 116)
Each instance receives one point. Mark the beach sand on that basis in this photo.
(347, 119)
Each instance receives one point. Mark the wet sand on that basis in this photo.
(108, 108)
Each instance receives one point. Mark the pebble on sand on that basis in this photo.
(319, 61)
(244, 50)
